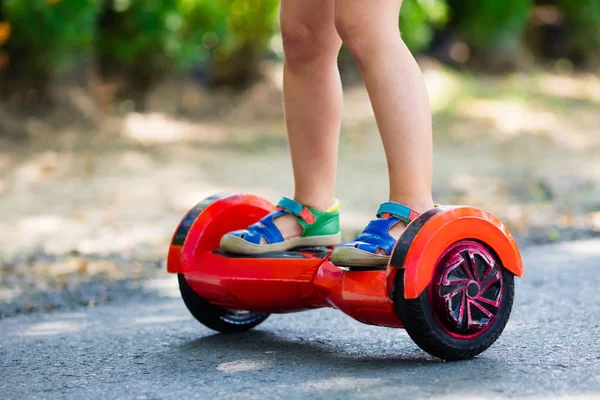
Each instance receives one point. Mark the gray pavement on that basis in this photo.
(155, 349)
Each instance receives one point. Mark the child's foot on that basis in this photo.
(374, 245)
(290, 225)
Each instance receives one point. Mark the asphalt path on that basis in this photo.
(153, 349)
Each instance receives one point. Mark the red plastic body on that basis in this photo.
(307, 280)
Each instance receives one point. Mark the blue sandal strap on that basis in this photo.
(376, 236)
(265, 228)
(403, 213)
(268, 229)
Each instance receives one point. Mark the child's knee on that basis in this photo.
(361, 36)
(357, 39)
(303, 43)
(297, 39)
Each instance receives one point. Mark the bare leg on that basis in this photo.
(312, 96)
(398, 95)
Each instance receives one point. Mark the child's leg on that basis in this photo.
(312, 97)
(399, 99)
(397, 91)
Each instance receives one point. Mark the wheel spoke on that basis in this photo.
(467, 264)
(495, 279)
(473, 265)
(461, 313)
(482, 309)
(491, 267)
(450, 295)
(460, 282)
(446, 281)
(492, 303)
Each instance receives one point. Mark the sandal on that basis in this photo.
(319, 228)
(363, 251)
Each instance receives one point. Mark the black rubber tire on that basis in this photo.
(215, 317)
(420, 324)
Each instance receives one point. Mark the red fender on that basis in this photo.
(204, 225)
(419, 254)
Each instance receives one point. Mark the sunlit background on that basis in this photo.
(116, 116)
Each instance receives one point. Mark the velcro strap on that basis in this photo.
(405, 214)
(297, 209)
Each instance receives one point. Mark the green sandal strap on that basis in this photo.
(314, 222)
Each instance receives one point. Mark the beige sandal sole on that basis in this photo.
(353, 257)
(235, 244)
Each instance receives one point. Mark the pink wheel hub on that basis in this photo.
(467, 289)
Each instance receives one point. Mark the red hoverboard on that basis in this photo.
(449, 282)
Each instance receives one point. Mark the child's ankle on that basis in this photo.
(325, 204)
(419, 205)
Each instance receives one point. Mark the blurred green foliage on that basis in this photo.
(491, 23)
(243, 39)
(418, 20)
(583, 17)
(140, 34)
(153, 35)
(50, 36)
(227, 39)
